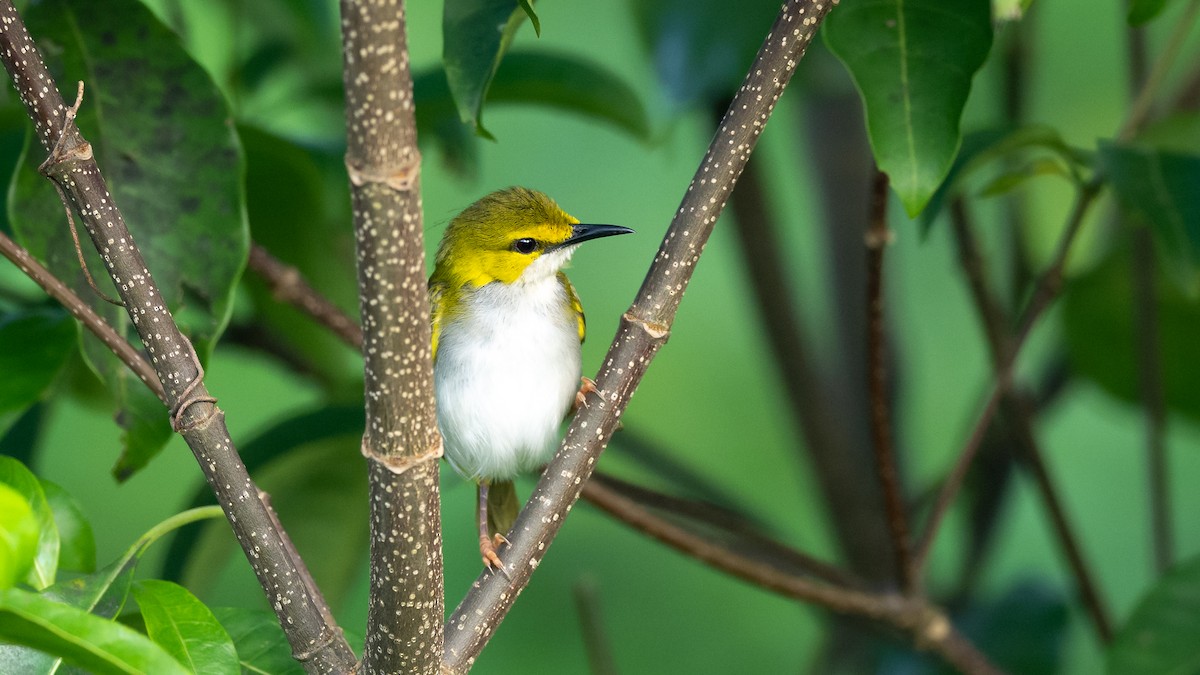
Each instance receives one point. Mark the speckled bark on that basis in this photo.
(401, 441)
(317, 643)
(643, 330)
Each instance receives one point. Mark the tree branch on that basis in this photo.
(643, 329)
(401, 441)
(895, 508)
(316, 643)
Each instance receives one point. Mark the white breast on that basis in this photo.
(507, 371)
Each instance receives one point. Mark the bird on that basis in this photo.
(507, 328)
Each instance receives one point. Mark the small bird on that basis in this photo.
(507, 328)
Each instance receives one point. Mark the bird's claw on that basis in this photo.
(487, 549)
(586, 386)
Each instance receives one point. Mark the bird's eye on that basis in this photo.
(525, 245)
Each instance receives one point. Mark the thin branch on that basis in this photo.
(401, 441)
(1139, 112)
(1021, 413)
(925, 624)
(643, 329)
(595, 639)
(877, 238)
(1043, 294)
(289, 286)
(72, 167)
(66, 297)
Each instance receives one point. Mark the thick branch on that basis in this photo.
(401, 441)
(72, 167)
(643, 330)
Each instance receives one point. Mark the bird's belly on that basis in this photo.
(502, 391)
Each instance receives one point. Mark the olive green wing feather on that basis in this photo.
(576, 306)
(437, 311)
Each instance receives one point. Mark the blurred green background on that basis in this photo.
(713, 398)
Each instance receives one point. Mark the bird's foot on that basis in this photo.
(586, 386)
(487, 549)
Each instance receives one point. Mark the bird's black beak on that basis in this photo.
(583, 232)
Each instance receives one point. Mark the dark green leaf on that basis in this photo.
(702, 48)
(913, 61)
(1099, 320)
(80, 638)
(984, 149)
(1160, 635)
(261, 645)
(160, 132)
(184, 627)
(558, 81)
(20, 479)
(77, 544)
(475, 35)
(1142, 11)
(18, 536)
(1159, 188)
(33, 347)
(144, 421)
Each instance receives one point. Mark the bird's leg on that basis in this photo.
(586, 386)
(488, 544)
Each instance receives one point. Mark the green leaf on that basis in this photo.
(34, 345)
(1159, 188)
(1142, 11)
(1099, 323)
(1009, 10)
(912, 61)
(700, 48)
(981, 150)
(261, 645)
(144, 421)
(557, 81)
(1160, 635)
(297, 462)
(77, 544)
(475, 35)
(18, 536)
(160, 132)
(185, 628)
(23, 482)
(80, 638)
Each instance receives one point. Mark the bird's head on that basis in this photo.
(511, 236)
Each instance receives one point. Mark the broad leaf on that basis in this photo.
(1160, 635)
(18, 536)
(475, 35)
(912, 61)
(77, 544)
(33, 347)
(160, 133)
(23, 482)
(261, 645)
(80, 638)
(1099, 321)
(558, 81)
(1159, 188)
(185, 628)
(702, 48)
(1142, 11)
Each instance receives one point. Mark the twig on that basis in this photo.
(1043, 294)
(289, 286)
(1020, 412)
(82, 311)
(643, 329)
(202, 424)
(877, 238)
(926, 625)
(1140, 110)
(401, 441)
(595, 638)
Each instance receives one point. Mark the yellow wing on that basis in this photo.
(436, 311)
(576, 306)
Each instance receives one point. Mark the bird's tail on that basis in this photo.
(503, 506)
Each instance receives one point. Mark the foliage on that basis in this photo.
(219, 123)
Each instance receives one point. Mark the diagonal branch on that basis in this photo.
(314, 641)
(643, 329)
